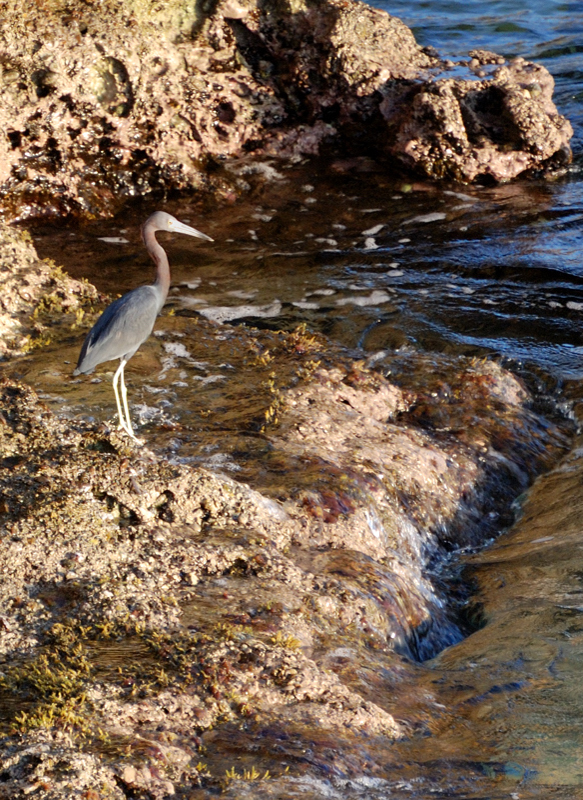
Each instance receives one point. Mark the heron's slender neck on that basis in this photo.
(160, 259)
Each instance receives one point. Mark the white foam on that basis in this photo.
(222, 461)
(242, 295)
(435, 216)
(257, 168)
(461, 196)
(176, 349)
(228, 313)
(374, 230)
(376, 298)
(208, 379)
(145, 412)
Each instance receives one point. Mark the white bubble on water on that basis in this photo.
(176, 349)
(206, 379)
(374, 230)
(242, 295)
(435, 216)
(377, 297)
(228, 313)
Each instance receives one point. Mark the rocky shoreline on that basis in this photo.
(168, 631)
(103, 103)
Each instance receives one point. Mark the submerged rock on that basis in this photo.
(105, 102)
(165, 629)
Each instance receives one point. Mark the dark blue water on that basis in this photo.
(528, 251)
(546, 31)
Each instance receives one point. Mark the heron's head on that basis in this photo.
(161, 221)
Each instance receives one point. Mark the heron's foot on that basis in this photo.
(131, 434)
(123, 429)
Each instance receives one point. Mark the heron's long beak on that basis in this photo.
(180, 227)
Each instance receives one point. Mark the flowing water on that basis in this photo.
(379, 263)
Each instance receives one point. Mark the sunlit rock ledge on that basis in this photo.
(103, 102)
(160, 622)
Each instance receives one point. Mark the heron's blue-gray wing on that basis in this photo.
(121, 329)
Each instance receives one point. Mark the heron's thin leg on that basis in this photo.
(118, 372)
(124, 394)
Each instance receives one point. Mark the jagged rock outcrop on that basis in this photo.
(494, 128)
(103, 102)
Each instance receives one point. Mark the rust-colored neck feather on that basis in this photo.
(160, 259)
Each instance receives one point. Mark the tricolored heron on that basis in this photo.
(129, 320)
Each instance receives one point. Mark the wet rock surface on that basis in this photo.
(103, 103)
(494, 128)
(34, 292)
(169, 630)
